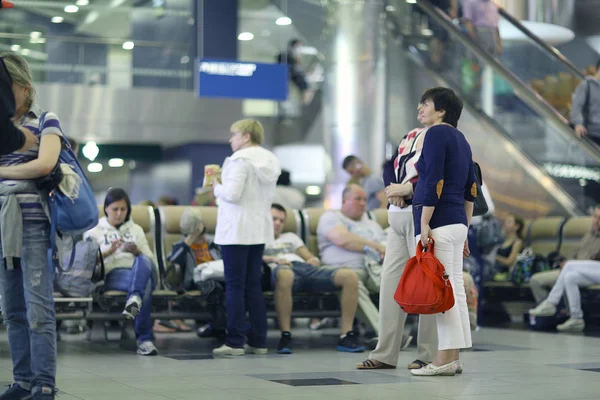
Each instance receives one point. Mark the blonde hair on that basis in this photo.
(20, 73)
(252, 127)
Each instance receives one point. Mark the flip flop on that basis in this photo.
(417, 364)
(373, 364)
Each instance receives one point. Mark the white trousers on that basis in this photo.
(400, 247)
(575, 274)
(454, 330)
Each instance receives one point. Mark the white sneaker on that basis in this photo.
(132, 307)
(147, 349)
(432, 370)
(544, 309)
(228, 351)
(572, 325)
(255, 350)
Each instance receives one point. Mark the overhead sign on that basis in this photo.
(242, 80)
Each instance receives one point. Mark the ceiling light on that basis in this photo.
(57, 20)
(185, 59)
(94, 167)
(116, 162)
(90, 151)
(71, 9)
(313, 190)
(390, 8)
(283, 21)
(15, 47)
(35, 34)
(245, 36)
(411, 1)
(128, 45)
(82, 3)
(25, 52)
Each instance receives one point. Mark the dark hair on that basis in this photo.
(445, 99)
(293, 42)
(279, 207)
(284, 178)
(598, 66)
(521, 223)
(348, 160)
(117, 194)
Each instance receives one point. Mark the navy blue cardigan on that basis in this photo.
(446, 178)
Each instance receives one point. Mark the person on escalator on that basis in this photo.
(481, 19)
(297, 74)
(585, 108)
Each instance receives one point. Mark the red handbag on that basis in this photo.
(424, 287)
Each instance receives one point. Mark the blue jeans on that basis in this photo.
(138, 280)
(28, 310)
(243, 291)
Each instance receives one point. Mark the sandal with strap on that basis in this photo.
(417, 364)
(373, 364)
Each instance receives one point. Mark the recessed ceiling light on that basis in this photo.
(25, 52)
(71, 9)
(15, 47)
(116, 162)
(35, 34)
(94, 167)
(411, 1)
(283, 21)
(57, 20)
(82, 3)
(245, 36)
(128, 45)
(90, 151)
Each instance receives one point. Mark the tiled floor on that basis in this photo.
(510, 364)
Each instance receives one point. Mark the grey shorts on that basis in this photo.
(308, 278)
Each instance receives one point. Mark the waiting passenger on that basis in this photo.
(507, 253)
(344, 236)
(584, 271)
(287, 195)
(26, 281)
(371, 182)
(197, 247)
(129, 264)
(297, 269)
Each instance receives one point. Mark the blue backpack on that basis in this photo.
(70, 215)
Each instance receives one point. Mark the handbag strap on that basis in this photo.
(437, 281)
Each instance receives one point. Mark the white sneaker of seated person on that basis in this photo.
(147, 348)
(132, 307)
(572, 325)
(544, 309)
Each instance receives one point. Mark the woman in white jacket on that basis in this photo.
(244, 226)
(129, 264)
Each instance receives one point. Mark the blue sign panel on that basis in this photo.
(242, 80)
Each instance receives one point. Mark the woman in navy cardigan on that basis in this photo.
(442, 210)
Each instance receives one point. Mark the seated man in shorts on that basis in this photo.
(295, 268)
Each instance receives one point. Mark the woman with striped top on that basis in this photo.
(26, 278)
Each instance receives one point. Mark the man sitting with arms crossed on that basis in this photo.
(343, 238)
(297, 269)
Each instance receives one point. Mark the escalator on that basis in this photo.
(506, 110)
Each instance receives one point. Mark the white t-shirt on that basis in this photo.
(285, 246)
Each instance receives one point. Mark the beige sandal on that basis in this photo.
(373, 364)
(417, 364)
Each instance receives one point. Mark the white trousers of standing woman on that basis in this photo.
(400, 247)
(453, 327)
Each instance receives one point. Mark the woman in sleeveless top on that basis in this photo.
(507, 253)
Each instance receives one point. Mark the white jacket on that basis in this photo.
(244, 217)
(105, 234)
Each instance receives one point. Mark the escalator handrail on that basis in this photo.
(552, 51)
(532, 98)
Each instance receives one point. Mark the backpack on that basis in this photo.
(526, 266)
(424, 287)
(489, 233)
(80, 280)
(69, 215)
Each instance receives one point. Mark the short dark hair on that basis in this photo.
(293, 42)
(445, 99)
(117, 194)
(279, 207)
(348, 160)
(598, 66)
(284, 178)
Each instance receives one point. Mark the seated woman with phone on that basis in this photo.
(129, 264)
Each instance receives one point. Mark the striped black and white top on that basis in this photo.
(31, 206)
